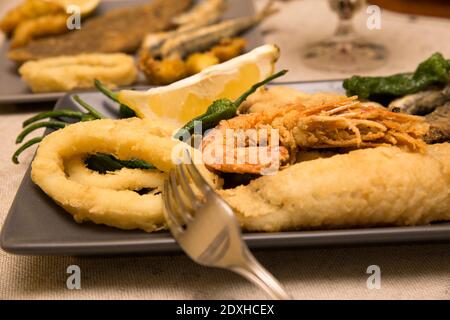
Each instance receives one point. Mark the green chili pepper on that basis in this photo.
(433, 71)
(88, 107)
(62, 113)
(223, 109)
(31, 124)
(103, 163)
(99, 162)
(34, 126)
(124, 111)
(15, 157)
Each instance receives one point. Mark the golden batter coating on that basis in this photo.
(109, 199)
(364, 188)
(39, 27)
(69, 72)
(126, 139)
(26, 11)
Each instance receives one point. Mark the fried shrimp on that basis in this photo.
(69, 72)
(105, 201)
(346, 123)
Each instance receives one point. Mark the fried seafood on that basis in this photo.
(346, 123)
(121, 208)
(28, 10)
(167, 71)
(206, 10)
(439, 121)
(197, 62)
(39, 27)
(266, 99)
(69, 72)
(204, 38)
(421, 103)
(228, 48)
(364, 188)
(113, 198)
(125, 139)
(162, 72)
(119, 30)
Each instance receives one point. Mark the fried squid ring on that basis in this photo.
(69, 72)
(125, 139)
(123, 179)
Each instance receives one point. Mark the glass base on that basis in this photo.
(356, 55)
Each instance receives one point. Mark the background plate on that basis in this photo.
(36, 225)
(14, 90)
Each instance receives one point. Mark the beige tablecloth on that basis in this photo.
(408, 271)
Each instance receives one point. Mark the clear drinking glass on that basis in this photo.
(346, 50)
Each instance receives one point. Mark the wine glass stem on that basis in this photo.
(345, 28)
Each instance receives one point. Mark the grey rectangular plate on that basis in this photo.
(36, 225)
(14, 90)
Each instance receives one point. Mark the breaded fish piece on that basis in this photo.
(26, 11)
(39, 27)
(364, 188)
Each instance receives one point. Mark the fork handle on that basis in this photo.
(253, 271)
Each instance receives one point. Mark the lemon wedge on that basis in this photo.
(188, 98)
(86, 6)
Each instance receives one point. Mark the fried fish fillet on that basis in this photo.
(371, 187)
(120, 30)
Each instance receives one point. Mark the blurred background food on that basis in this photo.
(168, 70)
(198, 42)
(119, 30)
(38, 18)
(175, 38)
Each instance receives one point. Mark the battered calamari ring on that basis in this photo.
(123, 179)
(125, 139)
(69, 72)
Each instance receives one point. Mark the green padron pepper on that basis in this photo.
(223, 109)
(433, 71)
(124, 111)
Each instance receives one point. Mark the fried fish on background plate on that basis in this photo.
(119, 30)
(27, 11)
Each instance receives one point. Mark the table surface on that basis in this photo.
(407, 271)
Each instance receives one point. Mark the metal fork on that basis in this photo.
(205, 227)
